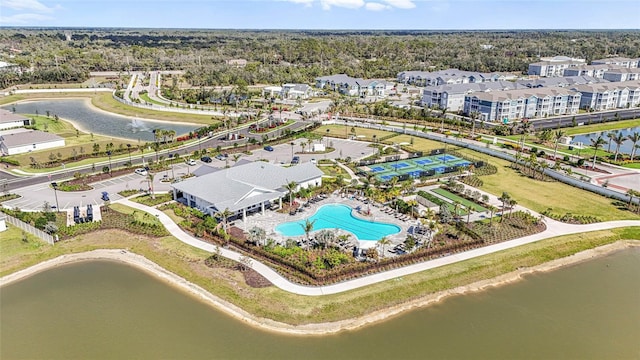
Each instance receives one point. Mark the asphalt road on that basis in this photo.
(14, 182)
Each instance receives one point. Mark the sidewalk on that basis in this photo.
(554, 229)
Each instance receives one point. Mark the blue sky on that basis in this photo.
(325, 14)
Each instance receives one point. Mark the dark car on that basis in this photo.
(295, 160)
(206, 159)
(105, 196)
(268, 148)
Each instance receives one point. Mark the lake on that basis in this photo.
(94, 121)
(104, 309)
(624, 148)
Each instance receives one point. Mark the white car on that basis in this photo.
(191, 162)
(142, 172)
(314, 161)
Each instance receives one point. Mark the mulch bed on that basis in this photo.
(255, 280)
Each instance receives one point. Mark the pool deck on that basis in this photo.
(272, 218)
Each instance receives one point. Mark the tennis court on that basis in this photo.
(416, 168)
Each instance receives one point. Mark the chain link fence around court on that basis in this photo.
(31, 230)
(598, 189)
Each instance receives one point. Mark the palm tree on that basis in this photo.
(468, 213)
(412, 204)
(224, 215)
(149, 180)
(491, 209)
(631, 194)
(383, 243)
(307, 227)
(512, 204)
(291, 187)
(619, 139)
(542, 165)
(504, 198)
(596, 145)
(559, 134)
(634, 138)
(456, 206)
(610, 136)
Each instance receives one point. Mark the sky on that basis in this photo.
(325, 14)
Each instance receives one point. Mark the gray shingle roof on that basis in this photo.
(28, 137)
(244, 185)
(7, 116)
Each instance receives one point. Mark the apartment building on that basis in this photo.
(619, 61)
(607, 96)
(563, 81)
(450, 77)
(349, 86)
(451, 97)
(596, 71)
(552, 68)
(622, 74)
(522, 103)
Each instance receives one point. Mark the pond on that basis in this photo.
(91, 120)
(625, 148)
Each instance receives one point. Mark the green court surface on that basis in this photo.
(453, 197)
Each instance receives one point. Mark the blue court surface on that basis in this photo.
(377, 169)
(400, 166)
(439, 169)
(414, 173)
(423, 161)
(386, 177)
(447, 158)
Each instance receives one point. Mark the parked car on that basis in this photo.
(222, 156)
(142, 172)
(206, 159)
(191, 162)
(314, 161)
(295, 160)
(105, 196)
(268, 148)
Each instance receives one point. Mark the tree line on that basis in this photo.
(59, 55)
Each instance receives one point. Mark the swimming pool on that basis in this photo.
(338, 216)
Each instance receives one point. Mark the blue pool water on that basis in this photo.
(338, 216)
(377, 169)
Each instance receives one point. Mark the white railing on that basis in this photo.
(30, 229)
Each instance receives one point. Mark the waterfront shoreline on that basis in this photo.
(316, 329)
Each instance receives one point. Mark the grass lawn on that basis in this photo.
(140, 216)
(537, 195)
(108, 103)
(341, 131)
(453, 197)
(147, 200)
(585, 129)
(635, 165)
(146, 98)
(276, 304)
(334, 170)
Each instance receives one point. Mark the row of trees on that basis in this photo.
(293, 56)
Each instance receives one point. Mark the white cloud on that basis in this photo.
(22, 19)
(376, 6)
(33, 5)
(306, 2)
(401, 4)
(349, 4)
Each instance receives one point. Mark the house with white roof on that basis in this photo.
(449, 76)
(296, 91)
(552, 68)
(245, 189)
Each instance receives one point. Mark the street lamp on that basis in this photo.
(129, 150)
(54, 185)
(292, 143)
(109, 155)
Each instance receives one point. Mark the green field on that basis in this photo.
(539, 195)
(453, 197)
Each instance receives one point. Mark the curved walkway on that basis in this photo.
(554, 228)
